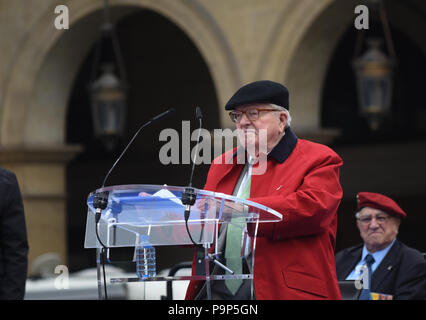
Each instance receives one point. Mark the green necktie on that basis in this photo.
(233, 244)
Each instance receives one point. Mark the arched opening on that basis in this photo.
(297, 54)
(386, 161)
(407, 119)
(164, 70)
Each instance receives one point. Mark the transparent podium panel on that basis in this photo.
(161, 222)
(146, 216)
(158, 213)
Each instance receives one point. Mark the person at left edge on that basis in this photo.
(13, 239)
(294, 258)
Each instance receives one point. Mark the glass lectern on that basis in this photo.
(145, 216)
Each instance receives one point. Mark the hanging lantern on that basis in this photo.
(108, 90)
(374, 73)
(108, 100)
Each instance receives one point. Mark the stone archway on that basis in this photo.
(163, 69)
(298, 52)
(32, 136)
(36, 68)
(301, 45)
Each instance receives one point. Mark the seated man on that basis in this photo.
(394, 270)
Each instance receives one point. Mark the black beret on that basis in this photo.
(263, 91)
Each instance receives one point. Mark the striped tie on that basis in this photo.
(365, 293)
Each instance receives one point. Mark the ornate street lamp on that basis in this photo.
(374, 75)
(108, 90)
(108, 107)
(374, 72)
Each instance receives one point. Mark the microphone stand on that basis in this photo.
(189, 196)
(100, 199)
(100, 202)
(188, 199)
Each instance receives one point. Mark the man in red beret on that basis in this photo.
(391, 269)
(294, 258)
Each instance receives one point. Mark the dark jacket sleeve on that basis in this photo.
(13, 239)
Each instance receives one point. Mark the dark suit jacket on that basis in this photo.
(402, 272)
(13, 238)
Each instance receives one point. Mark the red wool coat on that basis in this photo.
(294, 258)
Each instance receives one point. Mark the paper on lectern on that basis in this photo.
(166, 194)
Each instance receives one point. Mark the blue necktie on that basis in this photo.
(365, 293)
(234, 245)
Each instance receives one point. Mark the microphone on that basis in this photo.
(198, 114)
(100, 199)
(189, 196)
(161, 115)
(199, 117)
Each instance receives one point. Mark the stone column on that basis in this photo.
(41, 173)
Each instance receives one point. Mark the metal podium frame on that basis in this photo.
(156, 211)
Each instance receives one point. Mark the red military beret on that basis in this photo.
(379, 202)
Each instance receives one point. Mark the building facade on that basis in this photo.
(183, 53)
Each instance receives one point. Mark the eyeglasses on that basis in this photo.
(251, 114)
(380, 219)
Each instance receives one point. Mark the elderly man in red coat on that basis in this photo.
(294, 257)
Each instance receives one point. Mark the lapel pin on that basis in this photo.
(389, 268)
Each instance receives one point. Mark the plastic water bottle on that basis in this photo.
(145, 261)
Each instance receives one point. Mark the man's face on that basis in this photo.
(268, 123)
(377, 228)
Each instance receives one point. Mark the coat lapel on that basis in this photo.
(350, 263)
(226, 174)
(386, 266)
